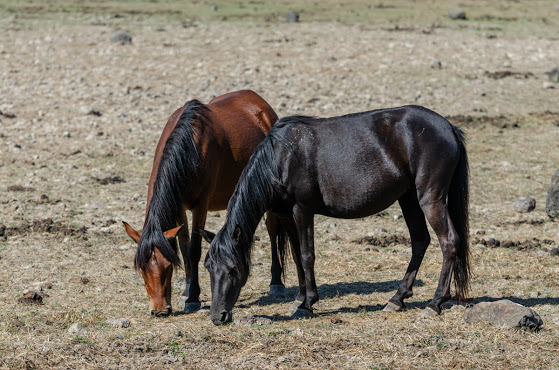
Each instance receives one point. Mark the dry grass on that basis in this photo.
(53, 150)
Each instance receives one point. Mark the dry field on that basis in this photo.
(77, 109)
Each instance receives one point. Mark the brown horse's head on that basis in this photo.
(156, 268)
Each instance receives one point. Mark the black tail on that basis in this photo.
(458, 200)
(282, 242)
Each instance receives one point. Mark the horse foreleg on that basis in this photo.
(275, 232)
(438, 217)
(419, 235)
(194, 252)
(184, 240)
(304, 219)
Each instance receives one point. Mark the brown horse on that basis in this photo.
(198, 160)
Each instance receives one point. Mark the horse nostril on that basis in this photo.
(225, 317)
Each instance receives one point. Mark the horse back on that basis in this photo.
(355, 165)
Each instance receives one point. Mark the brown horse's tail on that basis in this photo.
(458, 200)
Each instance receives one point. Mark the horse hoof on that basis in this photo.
(295, 306)
(429, 312)
(392, 307)
(277, 291)
(302, 313)
(191, 307)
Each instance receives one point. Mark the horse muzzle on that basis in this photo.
(222, 318)
(164, 313)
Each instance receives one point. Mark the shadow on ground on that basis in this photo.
(326, 291)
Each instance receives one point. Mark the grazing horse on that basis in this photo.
(349, 167)
(198, 160)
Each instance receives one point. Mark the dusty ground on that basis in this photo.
(77, 109)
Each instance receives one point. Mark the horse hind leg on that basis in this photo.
(419, 235)
(439, 219)
(275, 231)
(291, 230)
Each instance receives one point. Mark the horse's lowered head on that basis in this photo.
(226, 277)
(156, 264)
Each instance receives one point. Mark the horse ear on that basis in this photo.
(237, 233)
(131, 232)
(171, 234)
(207, 235)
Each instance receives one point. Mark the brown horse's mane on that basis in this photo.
(179, 164)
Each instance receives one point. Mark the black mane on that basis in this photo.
(252, 198)
(179, 164)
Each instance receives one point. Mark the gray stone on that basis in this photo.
(503, 313)
(436, 64)
(456, 13)
(76, 328)
(554, 75)
(119, 323)
(525, 205)
(554, 252)
(121, 37)
(292, 17)
(552, 200)
(213, 8)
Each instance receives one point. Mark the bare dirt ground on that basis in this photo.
(78, 109)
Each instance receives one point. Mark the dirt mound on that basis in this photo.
(519, 245)
(47, 225)
(383, 241)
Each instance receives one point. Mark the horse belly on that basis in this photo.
(361, 198)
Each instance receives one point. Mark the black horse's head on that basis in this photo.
(227, 275)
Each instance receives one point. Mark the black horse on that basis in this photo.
(349, 167)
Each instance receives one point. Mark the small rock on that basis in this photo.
(76, 328)
(548, 85)
(554, 252)
(552, 200)
(503, 313)
(92, 111)
(81, 279)
(118, 336)
(554, 75)
(213, 8)
(121, 37)
(292, 17)
(119, 323)
(456, 13)
(2, 230)
(8, 114)
(436, 64)
(525, 205)
(336, 319)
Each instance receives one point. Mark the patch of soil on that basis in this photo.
(47, 225)
(383, 241)
(519, 245)
(109, 180)
(500, 121)
(20, 188)
(497, 75)
(30, 298)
